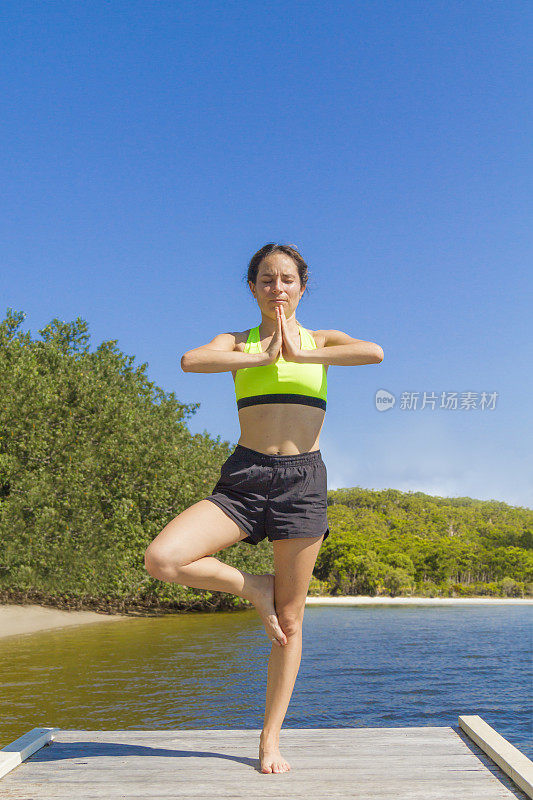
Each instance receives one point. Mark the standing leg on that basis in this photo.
(294, 561)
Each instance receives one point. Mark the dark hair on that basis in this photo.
(290, 250)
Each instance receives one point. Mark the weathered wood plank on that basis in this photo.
(16, 752)
(514, 763)
(423, 763)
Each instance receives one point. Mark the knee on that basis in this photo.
(290, 621)
(153, 561)
(160, 563)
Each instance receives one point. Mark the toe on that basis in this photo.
(280, 635)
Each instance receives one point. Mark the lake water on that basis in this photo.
(362, 666)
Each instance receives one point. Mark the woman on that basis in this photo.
(274, 483)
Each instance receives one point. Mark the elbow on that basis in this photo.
(184, 362)
(379, 354)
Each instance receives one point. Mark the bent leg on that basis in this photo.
(200, 530)
(181, 554)
(178, 553)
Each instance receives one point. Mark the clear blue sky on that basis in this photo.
(150, 148)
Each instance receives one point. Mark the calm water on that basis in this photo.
(361, 666)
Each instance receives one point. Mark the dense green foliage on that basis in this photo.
(412, 543)
(95, 460)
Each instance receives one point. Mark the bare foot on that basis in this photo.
(263, 600)
(270, 758)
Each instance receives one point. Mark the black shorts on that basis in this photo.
(282, 497)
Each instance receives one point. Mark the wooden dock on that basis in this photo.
(419, 763)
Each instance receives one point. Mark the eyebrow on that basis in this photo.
(269, 274)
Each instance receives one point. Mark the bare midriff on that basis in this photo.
(279, 428)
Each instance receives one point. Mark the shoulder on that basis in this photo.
(240, 339)
(229, 341)
(233, 340)
(317, 336)
(330, 337)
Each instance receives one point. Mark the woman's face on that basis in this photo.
(277, 280)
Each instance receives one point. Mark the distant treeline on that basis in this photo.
(95, 460)
(412, 543)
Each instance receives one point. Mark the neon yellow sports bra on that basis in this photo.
(281, 381)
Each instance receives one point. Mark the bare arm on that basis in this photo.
(219, 355)
(342, 350)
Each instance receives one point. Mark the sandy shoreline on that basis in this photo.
(18, 619)
(361, 599)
